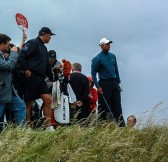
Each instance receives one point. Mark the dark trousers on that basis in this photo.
(112, 95)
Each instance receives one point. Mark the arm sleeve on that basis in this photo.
(28, 49)
(85, 91)
(117, 72)
(95, 96)
(49, 72)
(94, 70)
(10, 63)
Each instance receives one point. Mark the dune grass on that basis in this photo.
(103, 143)
(96, 142)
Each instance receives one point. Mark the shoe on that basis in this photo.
(50, 129)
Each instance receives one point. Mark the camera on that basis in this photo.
(2, 84)
(10, 46)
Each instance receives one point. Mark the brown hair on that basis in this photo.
(4, 38)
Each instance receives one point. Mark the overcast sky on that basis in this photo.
(138, 28)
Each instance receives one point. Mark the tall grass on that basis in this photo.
(94, 143)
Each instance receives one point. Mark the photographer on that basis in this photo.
(17, 78)
(8, 97)
(7, 52)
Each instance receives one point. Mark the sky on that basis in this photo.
(138, 28)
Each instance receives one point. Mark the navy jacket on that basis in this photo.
(34, 57)
(80, 85)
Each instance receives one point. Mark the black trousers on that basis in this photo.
(111, 92)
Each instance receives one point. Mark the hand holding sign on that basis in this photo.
(23, 24)
(24, 37)
(21, 21)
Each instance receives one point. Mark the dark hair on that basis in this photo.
(4, 38)
(133, 117)
(45, 30)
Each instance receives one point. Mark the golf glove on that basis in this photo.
(120, 87)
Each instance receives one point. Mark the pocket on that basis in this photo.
(5, 92)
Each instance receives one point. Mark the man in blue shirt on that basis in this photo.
(109, 84)
(8, 96)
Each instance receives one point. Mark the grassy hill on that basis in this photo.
(103, 143)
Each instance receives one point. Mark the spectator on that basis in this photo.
(109, 85)
(55, 64)
(80, 85)
(131, 121)
(93, 96)
(8, 96)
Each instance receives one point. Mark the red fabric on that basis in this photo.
(66, 68)
(90, 79)
(93, 96)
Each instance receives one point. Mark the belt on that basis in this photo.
(111, 79)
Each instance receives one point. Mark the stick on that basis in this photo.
(108, 107)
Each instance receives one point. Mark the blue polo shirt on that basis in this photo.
(105, 64)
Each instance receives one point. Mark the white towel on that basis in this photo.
(56, 99)
(72, 96)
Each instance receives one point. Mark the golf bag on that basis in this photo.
(37, 118)
(62, 111)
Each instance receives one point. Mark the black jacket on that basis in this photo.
(34, 57)
(80, 85)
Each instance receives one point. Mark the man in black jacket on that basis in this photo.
(80, 85)
(33, 61)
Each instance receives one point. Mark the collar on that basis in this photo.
(1, 53)
(53, 63)
(75, 71)
(38, 38)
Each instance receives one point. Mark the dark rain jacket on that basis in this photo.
(34, 57)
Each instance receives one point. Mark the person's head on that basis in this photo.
(131, 121)
(45, 34)
(91, 83)
(4, 42)
(105, 44)
(76, 67)
(52, 56)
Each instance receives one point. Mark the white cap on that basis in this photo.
(104, 41)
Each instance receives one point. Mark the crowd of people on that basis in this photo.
(31, 71)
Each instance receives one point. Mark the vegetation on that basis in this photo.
(96, 142)
(103, 143)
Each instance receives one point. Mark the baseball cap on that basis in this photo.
(45, 30)
(52, 54)
(90, 78)
(104, 41)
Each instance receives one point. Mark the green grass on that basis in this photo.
(103, 143)
(96, 142)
